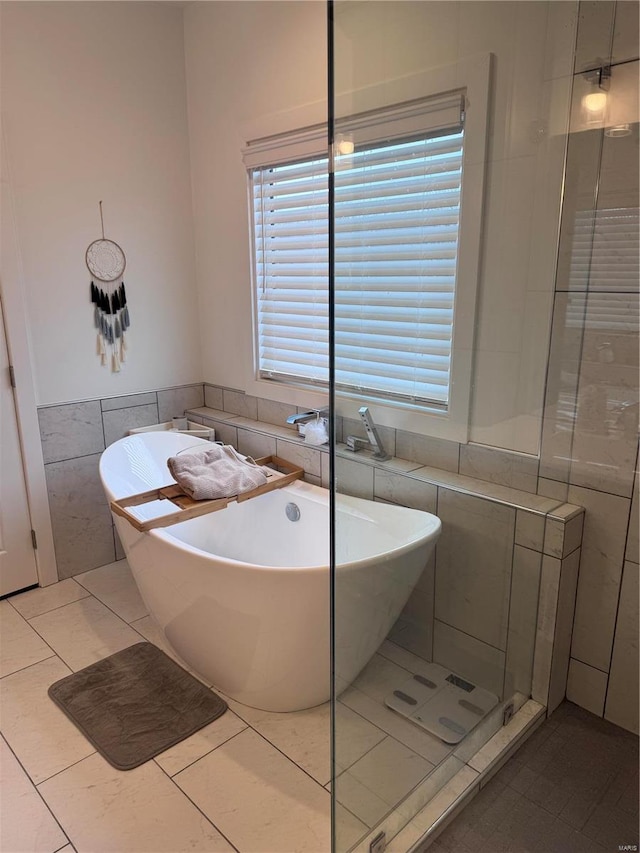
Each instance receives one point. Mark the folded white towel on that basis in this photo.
(218, 471)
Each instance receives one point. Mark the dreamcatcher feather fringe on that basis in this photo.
(111, 319)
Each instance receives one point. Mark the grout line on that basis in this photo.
(195, 761)
(554, 646)
(380, 652)
(73, 458)
(204, 754)
(35, 663)
(624, 560)
(392, 807)
(35, 788)
(566, 556)
(104, 432)
(73, 764)
(196, 806)
(348, 810)
(571, 484)
(278, 749)
(58, 606)
(409, 727)
(116, 396)
(121, 396)
(535, 633)
(588, 488)
(17, 592)
(134, 406)
(28, 622)
(172, 779)
(100, 601)
(540, 552)
(506, 650)
(385, 736)
(591, 666)
(57, 653)
(477, 639)
(266, 739)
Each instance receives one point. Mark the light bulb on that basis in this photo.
(595, 102)
(594, 106)
(346, 146)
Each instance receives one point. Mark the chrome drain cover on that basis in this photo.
(293, 512)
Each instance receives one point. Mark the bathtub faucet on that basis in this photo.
(372, 434)
(302, 418)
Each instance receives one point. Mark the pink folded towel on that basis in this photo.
(218, 471)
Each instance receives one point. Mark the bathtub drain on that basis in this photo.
(293, 512)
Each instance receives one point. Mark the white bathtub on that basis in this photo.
(242, 594)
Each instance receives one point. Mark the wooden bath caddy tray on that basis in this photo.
(188, 508)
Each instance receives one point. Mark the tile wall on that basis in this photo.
(73, 437)
(590, 435)
(475, 607)
(498, 541)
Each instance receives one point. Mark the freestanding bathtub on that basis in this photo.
(242, 594)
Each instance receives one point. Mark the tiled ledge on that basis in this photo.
(483, 489)
(526, 501)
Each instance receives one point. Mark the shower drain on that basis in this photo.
(293, 512)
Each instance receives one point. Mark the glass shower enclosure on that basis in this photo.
(449, 126)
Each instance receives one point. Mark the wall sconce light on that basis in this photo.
(594, 103)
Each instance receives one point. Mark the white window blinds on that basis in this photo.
(290, 214)
(397, 204)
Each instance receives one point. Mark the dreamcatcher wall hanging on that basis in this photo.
(106, 263)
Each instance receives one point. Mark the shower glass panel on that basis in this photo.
(449, 128)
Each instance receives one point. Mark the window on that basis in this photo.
(398, 197)
(290, 225)
(396, 234)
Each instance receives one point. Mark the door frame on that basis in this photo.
(16, 327)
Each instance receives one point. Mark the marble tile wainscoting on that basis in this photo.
(598, 473)
(73, 437)
(503, 579)
(75, 434)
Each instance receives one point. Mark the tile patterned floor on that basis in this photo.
(258, 782)
(572, 788)
(250, 781)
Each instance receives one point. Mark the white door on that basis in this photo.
(17, 557)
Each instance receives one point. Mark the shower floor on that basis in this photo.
(442, 702)
(572, 787)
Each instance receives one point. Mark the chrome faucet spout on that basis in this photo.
(301, 417)
(372, 434)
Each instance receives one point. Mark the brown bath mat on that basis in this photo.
(135, 704)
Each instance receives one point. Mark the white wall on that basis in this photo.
(244, 61)
(271, 57)
(94, 108)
